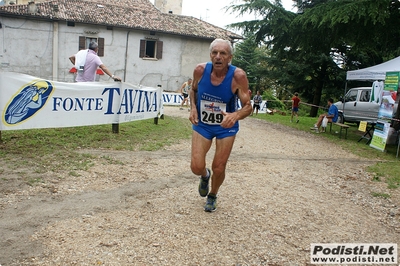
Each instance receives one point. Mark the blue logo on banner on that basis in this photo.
(30, 99)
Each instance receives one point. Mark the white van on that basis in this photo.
(357, 106)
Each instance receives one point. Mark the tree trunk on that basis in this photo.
(319, 81)
(316, 101)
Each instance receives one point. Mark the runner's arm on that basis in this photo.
(197, 74)
(240, 86)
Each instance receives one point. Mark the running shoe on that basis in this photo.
(204, 186)
(211, 203)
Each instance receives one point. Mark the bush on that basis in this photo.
(273, 102)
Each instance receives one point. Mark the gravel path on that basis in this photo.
(284, 190)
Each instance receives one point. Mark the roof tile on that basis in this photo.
(133, 14)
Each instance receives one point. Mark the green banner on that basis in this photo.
(392, 81)
(380, 136)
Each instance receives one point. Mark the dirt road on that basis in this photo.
(284, 190)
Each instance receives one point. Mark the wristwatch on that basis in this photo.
(112, 76)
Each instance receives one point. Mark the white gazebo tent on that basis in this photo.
(377, 72)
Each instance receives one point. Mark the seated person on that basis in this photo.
(332, 115)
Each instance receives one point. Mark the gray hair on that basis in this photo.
(223, 41)
(93, 45)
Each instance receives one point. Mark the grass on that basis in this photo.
(42, 150)
(382, 195)
(33, 181)
(57, 149)
(389, 171)
(386, 169)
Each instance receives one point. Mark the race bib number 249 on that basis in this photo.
(211, 112)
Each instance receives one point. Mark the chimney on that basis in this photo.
(169, 6)
(32, 8)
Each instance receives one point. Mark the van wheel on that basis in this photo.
(340, 119)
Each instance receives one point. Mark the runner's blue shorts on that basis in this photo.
(210, 132)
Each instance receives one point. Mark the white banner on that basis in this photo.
(263, 107)
(174, 98)
(28, 102)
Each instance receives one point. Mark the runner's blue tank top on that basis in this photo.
(212, 99)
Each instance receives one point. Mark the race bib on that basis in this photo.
(210, 112)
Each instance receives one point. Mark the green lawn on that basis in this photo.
(388, 167)
(57, 149)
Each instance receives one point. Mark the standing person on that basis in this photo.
(295, 107)
(87, 62)
(257, 100)
(332, 115)
(217, 85)
(185, 88)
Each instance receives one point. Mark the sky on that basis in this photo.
(213, 11)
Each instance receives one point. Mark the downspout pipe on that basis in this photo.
(55, 51)
(126, 55)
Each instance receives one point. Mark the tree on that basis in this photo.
(311, 50)
(246, 58)
(251, 57)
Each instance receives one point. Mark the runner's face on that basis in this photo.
(220, 55)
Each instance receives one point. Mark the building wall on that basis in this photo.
(28, 46)
(193, 53)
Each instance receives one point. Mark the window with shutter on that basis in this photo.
(151, 49)
(100, 42)
(159, 49)
(82, 43)
(142, 50)
(85, 41)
